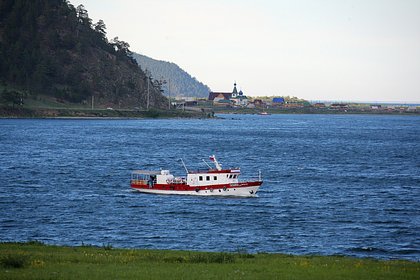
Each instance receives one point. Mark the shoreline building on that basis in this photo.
(233, 98)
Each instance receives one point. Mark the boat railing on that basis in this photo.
(210, 170)
(201, 171)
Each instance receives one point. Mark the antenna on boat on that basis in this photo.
(207, 164)
(216, 163)
(185, 167)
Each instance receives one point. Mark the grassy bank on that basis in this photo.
(49, 107)
(10, 112)
(34, 260)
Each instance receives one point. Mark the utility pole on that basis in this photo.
(169, 93)
(93, 98)
(148, 89)
(162, 82)
(148, 93)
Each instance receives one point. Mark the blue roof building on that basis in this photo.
(278, 100)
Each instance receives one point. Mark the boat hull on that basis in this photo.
(244, 189)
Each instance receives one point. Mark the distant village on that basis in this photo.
(238, 100)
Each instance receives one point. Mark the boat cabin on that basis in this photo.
(194, 178)
(213, 177)
(209, 177)
(162, 177)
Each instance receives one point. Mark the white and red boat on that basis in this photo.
(213, 181)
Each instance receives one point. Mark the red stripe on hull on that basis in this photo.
(185, 187)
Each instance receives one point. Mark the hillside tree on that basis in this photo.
(100, 27)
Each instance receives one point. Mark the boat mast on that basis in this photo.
(185, 167)
(207, 164)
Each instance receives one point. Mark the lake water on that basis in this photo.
(333, 184)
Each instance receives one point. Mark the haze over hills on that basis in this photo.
(180, 82)
(53, 49)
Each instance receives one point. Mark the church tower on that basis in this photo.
(235, 91)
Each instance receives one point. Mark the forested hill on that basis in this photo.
(181, 83)
(52, 48)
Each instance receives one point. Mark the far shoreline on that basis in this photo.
(196, 113)
(69, 113)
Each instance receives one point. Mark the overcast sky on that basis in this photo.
(348, 50)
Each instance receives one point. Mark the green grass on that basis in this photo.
(37, 261)
(44, 106)
(46, 102)
(25, 112)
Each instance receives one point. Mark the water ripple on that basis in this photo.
(346, 185)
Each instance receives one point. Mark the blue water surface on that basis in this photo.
(333, 184)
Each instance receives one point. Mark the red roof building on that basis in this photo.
(219, 95)
(233, 97)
